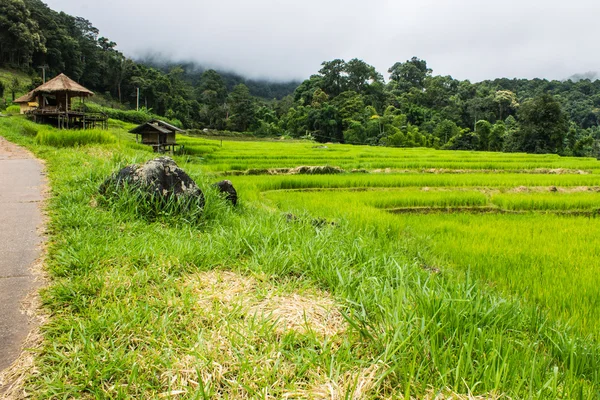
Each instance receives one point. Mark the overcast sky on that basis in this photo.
(278, 39)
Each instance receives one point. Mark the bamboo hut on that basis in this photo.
(158, 134)
(53, 100)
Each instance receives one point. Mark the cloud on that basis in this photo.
(467, 39)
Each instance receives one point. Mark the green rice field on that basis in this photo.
(412, 274)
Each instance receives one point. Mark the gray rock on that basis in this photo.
(226, 188)
(158, 177)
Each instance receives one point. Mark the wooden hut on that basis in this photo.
(53, 100)
(27, 102)
(158, 134)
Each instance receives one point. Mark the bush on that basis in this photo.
(73, 138)
(133, 116)
(13, 110)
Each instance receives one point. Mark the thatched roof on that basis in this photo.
(63, 83)
(26, 98)
(157, 125)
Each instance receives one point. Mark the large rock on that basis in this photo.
(226, 188)
(158, 177)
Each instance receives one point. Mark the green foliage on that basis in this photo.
(19, 34)
(243, 108)
(410, 74)
(14, 110)
(543, 125)
(132, 116)
(446, 130)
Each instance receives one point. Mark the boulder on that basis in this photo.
(158, 177)
(226, 188)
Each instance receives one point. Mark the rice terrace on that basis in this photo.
(374, 272)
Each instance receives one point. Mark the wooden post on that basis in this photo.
(67, 108)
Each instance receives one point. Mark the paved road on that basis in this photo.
(21, 185)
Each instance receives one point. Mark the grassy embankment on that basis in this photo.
(247, 302)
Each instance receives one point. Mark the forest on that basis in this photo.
(344, 101)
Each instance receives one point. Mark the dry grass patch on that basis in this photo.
(355, 384)
(302, 314)
(254, 337)
(311, 310)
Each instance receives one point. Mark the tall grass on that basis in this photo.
(71, 138)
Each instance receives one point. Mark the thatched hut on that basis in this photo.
(53, 100)
(57, 93)
(158, 134)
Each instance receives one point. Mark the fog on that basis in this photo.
(281, 40)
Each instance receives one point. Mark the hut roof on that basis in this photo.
(166, 125)
(26, 98)
(63, 83)
(158, 125)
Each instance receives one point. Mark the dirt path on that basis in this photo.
(21, 221)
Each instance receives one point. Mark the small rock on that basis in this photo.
(553, 189)
(226, 187)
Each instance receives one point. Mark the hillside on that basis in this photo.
(13, 80)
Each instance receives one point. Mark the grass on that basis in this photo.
(73, 138)
(589, 200)
(240, 156)
(245, 302)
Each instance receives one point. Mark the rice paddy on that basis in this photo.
(420, 274)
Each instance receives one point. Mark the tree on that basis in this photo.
(15, 86)
(325, 123)
(211, 89)
(410, 74)
(359, 75)
(445, 130)
(19, 34)
(211, 93)
(544, 125)
(465, 140)
(304, 93)
(334, 76)
(507, 102)
(242, 108)
(483, 129)
(497, 136)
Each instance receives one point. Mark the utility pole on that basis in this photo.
(137, 102)
(43, 68)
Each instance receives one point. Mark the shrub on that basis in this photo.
(133, 116)
(13, 110)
